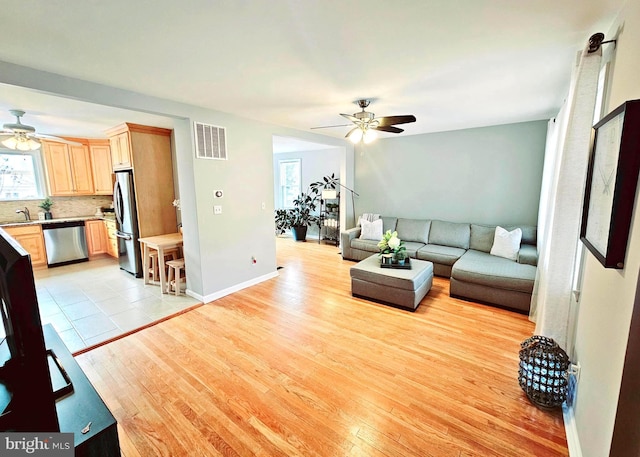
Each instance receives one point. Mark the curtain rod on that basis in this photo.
(596, 40)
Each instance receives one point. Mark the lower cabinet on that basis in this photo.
(112, 240)
(31, 239)
(96, 237)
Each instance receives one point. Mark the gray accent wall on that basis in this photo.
(489, 175)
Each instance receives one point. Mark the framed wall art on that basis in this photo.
(612, 178)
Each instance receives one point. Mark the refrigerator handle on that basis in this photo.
(117, 201)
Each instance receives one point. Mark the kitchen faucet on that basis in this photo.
(27, 216)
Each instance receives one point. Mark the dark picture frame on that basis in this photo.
(612, 179)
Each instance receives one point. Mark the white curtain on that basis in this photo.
(561, 198)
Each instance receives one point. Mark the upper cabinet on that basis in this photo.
(68, 168)
(101, 166)
(147, 150)
(78, 169)
(120, 151)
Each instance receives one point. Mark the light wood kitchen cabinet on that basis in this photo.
(151, 162)
(120, 150)
(68, 169)
(112, 240)
(96, 233)
(101, 166)
(31, 239)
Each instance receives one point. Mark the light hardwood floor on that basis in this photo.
(296, 366)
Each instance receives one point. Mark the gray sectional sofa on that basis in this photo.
(461, 252)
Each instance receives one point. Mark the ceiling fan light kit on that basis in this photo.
(22, 137)
(367, 125)
(21, 142)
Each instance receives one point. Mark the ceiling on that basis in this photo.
(453, 64)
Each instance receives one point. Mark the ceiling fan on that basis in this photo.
(366, 123)
(22, 137)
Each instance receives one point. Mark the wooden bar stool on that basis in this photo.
(174, 276)
(152, 270)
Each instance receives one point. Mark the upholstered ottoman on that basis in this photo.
(391, 286)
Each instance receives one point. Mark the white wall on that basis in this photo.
(608, 295)
(314, 165)
(488, 175)
(218, 248)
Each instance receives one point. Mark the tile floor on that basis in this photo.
(91, 302)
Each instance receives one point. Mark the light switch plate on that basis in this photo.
(217, 209)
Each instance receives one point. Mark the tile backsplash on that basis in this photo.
(62, 207)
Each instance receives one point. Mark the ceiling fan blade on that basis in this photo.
(388, 128)
(350, 117)
(350, 131)
(330, 126)
(392, 120)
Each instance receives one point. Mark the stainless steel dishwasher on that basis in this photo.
(65, 242)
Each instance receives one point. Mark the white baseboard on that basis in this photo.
(571, 430)
(230, 290)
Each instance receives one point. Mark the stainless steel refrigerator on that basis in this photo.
(124, 203)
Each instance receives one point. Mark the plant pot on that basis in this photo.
(400, 261)
(299, 232)
(48, 215)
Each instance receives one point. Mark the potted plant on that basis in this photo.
(298, 218)
(390, 246)
(46, 205)
(401, 256)
(302, 215)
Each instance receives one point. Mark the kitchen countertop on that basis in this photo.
(107, 217)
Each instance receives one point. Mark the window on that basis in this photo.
(21, 175)
(289, 181)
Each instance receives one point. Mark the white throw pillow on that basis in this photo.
(371, 230)
(367, 217)
(506, 244)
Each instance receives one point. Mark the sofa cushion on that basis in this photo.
(450, 234)
(529, 233)
(481, 237)
(413, 230)
(389, 223)
(412, 247)
(528, 255)
(485, 269)
(371, 230)
(365, 245)
(506, 244)
(445, 255)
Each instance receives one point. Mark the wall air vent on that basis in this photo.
(211, 141)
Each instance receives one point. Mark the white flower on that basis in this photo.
(394, 242)
(176, 203)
